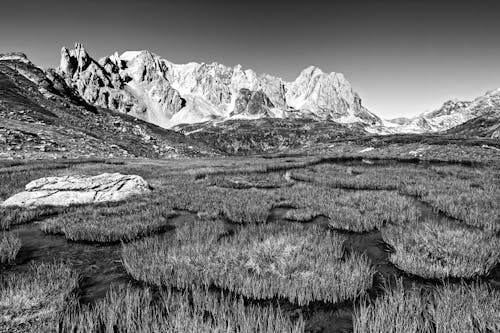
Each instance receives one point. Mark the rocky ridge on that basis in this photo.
(158, 91)
(452, 114)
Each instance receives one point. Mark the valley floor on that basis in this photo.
(367, 237)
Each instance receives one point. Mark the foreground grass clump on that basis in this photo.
(30, 298)
(447, 309)
(260, 261)
(9, 246)
(463, 308)
(355, 211)
(438, 250)
(128, 310)
(106, 224)
(397, 311)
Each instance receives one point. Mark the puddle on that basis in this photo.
(98, 264)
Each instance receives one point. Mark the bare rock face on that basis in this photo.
(327, 96)
(252, 103)
(134, 86)
(70, 190)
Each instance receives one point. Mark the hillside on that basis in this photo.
(41, 117)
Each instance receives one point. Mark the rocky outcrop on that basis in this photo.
(153, 89)
(252, 104)
(72, 190)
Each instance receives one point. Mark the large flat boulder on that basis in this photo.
(78, 189)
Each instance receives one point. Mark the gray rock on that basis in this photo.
(78, 189)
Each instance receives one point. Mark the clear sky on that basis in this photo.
(402, 57)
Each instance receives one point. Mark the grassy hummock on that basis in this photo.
(9, 246)
(108, 224)
(260, 261)
(439, 250)
(129, 310)
(445, 309)
(27, 299)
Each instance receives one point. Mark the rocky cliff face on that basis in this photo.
(158, 91)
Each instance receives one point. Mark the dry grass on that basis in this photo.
(9, 246)
(438, 250)
(397, 311)
(446, 309)
(129, 310)
(260, 261)
(350, 210)
(35, 296)
(106, 224)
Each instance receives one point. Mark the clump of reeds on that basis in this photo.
(130, 310)
(433, 249)
(260, 261)
(37, 295)
(444, 309)
(9, 246)
(351, 210)
(105, 224)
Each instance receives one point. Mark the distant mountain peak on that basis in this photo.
(154, 89)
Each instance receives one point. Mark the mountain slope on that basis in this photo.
(486, 126)
(453, 113)
(42, 117)
(146, 86)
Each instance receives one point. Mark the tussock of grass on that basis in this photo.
(447, 309)
(239, 206)
(356, 211)
(124, 222)
(260, 261)
(463, 308)
(9, 246)
(469, 194)
(128, 310)
(35, 296)
(397, 311)
(439, 250)
(12, 216)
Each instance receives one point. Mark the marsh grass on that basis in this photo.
(14, 216)
(260, 262)
(9, 246)
(37, 295)
(134, 310)
(239, 206)
(444, 309)
(357, 211)
(466, 308)
(247, 181)
(107, 224)
(396, 311)
(433, 249)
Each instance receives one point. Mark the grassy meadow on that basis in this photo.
(233, 265)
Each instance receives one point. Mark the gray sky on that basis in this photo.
(402, 57)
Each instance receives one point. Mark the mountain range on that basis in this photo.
(158, 91)
(138, 104)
